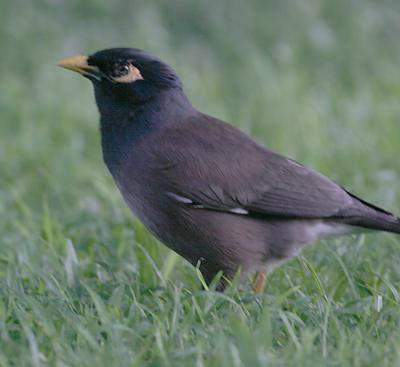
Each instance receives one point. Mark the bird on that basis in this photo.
(203, 187)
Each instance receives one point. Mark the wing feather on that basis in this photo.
(224, 169)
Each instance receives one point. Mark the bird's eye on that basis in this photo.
(120, 69)
(125, 73)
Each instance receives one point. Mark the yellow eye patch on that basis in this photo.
(130, 76)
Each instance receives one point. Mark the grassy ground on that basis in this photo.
(82, 283)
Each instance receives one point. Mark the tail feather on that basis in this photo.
(380, 222)
(370, 216)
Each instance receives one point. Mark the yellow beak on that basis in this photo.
(79, 64)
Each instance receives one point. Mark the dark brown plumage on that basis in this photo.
(201, 186)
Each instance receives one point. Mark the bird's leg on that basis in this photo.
(259, 281)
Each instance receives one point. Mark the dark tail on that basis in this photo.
(381, 222)
(370, 216)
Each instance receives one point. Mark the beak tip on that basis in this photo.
(73, 62)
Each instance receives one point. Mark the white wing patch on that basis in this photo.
(179, 198)
(185, 200)
(239, 211)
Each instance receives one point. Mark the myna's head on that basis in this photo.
(124, 74)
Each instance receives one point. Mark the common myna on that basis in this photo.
(201, 186)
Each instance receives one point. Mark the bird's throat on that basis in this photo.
(119, 139)
(124, 126)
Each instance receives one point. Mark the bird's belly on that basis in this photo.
(224, 241)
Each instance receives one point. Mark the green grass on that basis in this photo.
(82, 283)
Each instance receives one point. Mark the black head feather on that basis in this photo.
(152, 68)
(157, 77)
(131, 110)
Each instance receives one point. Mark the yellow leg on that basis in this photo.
(259, 282)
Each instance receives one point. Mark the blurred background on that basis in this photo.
(316, 80)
